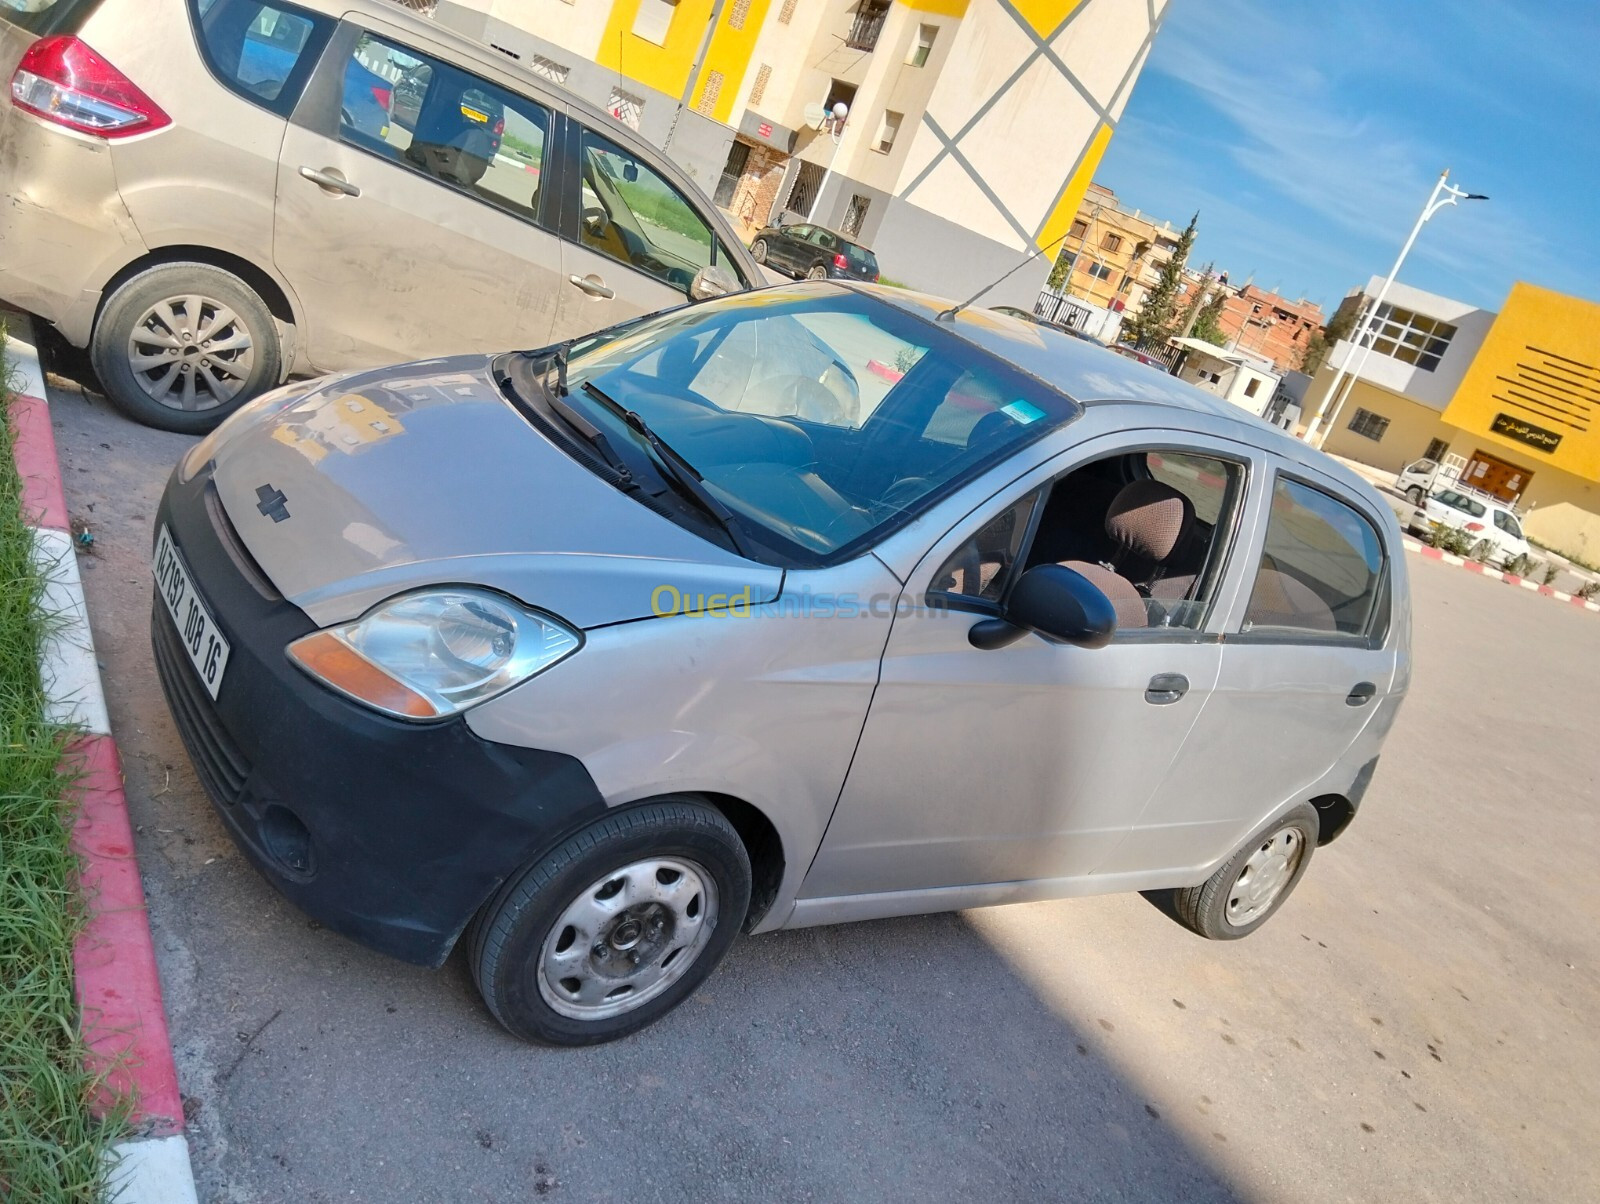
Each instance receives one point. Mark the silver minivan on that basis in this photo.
(213, 195)
(818, 603)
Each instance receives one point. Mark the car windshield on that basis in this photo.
(821, 417)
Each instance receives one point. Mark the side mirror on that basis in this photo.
(1058, 603)
(630, 171)
(713, 281)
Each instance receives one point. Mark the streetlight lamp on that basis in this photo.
(1443, 194)
(834, 120)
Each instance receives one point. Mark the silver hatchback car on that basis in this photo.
(805, 605)
(214, 195)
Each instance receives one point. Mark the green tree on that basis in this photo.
(1208, 325)
(1338, 327)
(1158, 319)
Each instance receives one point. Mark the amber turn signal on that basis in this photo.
(331, 660)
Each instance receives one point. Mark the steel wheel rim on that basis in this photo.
(1264, 876)
(818, 273)
(759, 250)
(191, 353)
(627, 938)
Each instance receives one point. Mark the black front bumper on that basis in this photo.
(390, 833)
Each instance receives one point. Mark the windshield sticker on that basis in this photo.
(1023, 412)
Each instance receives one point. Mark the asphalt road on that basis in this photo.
(1418, 1023)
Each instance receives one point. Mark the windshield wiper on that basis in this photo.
(677, 470)
(556, 398)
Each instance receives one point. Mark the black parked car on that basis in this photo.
(814, 252)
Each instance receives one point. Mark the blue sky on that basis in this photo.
(1308, 135)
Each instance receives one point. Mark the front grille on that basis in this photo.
(222, 768)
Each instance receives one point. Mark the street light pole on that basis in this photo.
(835, 119)
(1444, 193)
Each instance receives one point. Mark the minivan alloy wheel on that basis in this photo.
(191, 353)
(627, 937)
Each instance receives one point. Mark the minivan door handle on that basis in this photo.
(1360, 694)
(1165, 688)
(593, 285)
(330, 179)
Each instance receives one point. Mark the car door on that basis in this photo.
(1307, 669)
(786, 247)
(418, 237)
(634, 240)
(1028, 763)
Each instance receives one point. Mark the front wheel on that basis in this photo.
(758, 250)
(181, 346)
(1415, 496)
(615, 928)
(1243, 894)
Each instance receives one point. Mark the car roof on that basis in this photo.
(1091, 373)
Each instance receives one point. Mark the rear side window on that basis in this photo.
(444, 122)
(47, 16)
(1322, 569)
(262, 51)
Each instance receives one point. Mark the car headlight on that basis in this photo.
(433, 654)
(265, 406)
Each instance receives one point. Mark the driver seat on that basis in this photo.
(1146, 522)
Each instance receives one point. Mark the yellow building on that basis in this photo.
(1517, 393)
(1115, 255)
(974, 126)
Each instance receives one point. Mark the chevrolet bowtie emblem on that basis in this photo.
(272, 503)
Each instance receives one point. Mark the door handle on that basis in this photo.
(1360, 694)
(1165, 688)
(593, 285)
(330, 179)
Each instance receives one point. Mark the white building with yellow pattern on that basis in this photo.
(974, 126)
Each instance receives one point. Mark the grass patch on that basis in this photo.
(51, 1146)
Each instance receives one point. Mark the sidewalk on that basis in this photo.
(119, 992)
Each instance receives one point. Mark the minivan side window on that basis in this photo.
(441, 121)
(632, 215)
(1321, 570)
(262, 51)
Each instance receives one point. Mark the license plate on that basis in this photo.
(207, 649)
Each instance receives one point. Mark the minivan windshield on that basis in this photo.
(821, 417)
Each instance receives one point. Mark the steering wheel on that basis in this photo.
(904, 491)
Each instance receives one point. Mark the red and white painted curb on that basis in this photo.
(119, 992)
(1483, 570)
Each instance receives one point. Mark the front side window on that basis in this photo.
(434, 118)
(981, 568)
(633, 215)
(1321, 571)
(821, 419)
(264, 52)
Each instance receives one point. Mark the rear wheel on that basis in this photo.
(615, 928)
(183, 345)
(1243, 894)
(817, 273)
(758, 250)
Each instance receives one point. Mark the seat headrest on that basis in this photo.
(1149, 518)
(1124, 598)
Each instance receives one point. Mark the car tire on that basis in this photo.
(818, 272)
(1415, 496)
(1253, 883)
(758, 250)
(560, 960)
(237, 355)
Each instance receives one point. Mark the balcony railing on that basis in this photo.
(870, 17)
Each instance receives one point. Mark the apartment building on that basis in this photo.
(1270, 326)
(974, 126)
(1113, 256)
(1516, 393)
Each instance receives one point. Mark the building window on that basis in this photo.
(1369, 425)
(653, 20)
(553, 71)
(1079, 229)
(738, 14)
(625, 107)
(1099, 271)
(1436, 450)
(708, 94)
(1112, 242)
(1250, 389)
(856, 214)
(888, 131)
(758, 90)
(786, 13)
(1409, 337)
(923, 46)
(870, 16)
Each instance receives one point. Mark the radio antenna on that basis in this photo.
(955, 309)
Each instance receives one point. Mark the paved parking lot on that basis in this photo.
(1417, 1024)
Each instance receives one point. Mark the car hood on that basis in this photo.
(372, 484)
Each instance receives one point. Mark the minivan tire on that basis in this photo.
(537, 925)
(1219, 908)
(250, 369)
